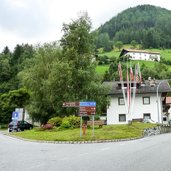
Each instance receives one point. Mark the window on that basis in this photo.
(146, 100)
(121, 101)
(164, 118)
(122, 117)
(147, 116)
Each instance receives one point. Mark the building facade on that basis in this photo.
(140, 55)
(146, 103)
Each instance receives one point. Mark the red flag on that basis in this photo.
(120, 71)
(131, 74)
(139, 71)
(128, 90)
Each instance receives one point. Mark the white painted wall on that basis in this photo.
(139, 109)
(143, 56)
(26, 115)
(169, 111)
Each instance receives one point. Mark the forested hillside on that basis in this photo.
(147, 25)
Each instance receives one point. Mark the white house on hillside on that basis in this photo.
(145, 105)
(140, 55)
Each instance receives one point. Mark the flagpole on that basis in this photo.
(122, 86)
(134, 89)
(128, 90)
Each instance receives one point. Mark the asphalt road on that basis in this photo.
(147, 154)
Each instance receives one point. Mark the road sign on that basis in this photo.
(15, 115)
(70, 104)
(87, 110)
(87, 104)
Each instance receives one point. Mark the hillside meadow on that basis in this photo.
(165, 53)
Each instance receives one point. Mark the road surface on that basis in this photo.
(147, 154)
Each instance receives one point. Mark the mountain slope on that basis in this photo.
(146, 24)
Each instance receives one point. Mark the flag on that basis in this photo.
(131, 74)
(120, 71)
(136, 73)
(128, 90)
(139, 72)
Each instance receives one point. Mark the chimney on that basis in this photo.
(152, 82)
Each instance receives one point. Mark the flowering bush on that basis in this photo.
(47, 126)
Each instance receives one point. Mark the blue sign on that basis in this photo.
(15, 115)
(88, 104)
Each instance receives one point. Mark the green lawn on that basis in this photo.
(165, 53)
(102, 68)
(113, 53)
(108, 132)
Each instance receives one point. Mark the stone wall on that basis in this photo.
(162, 129)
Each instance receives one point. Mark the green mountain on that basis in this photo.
(146, 24)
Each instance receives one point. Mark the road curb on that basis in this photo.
(74, 142)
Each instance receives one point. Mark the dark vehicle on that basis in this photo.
(19, 126)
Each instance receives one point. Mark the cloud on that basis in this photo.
(23, 18)
(38, 21)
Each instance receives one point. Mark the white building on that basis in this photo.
(145, 105)
(140, 55)
(168, 105)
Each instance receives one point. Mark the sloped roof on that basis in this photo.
(125, 51)
(115, 87)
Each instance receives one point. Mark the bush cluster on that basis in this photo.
(56, 121)
(70, 122)
(66, 122)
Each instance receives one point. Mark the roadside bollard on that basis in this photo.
(84, 127)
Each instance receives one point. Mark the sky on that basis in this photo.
(40, 21)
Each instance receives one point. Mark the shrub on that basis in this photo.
(96, 117)
(70, 122)
(56, 121)
(65, 123)
(47, 126)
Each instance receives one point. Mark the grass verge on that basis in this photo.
(108, 132)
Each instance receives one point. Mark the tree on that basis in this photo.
(6, 50)
(103, 41)
(55, 75)
(47, 77)
(5, 72)
(11, 100)
(119, 45)
(77, 43)
(134, 44)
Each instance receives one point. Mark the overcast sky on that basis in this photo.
(39, 21)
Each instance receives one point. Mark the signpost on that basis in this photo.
(90, 104)
(88, 108)
(85, 108)
(15, 115)
(71, 104)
